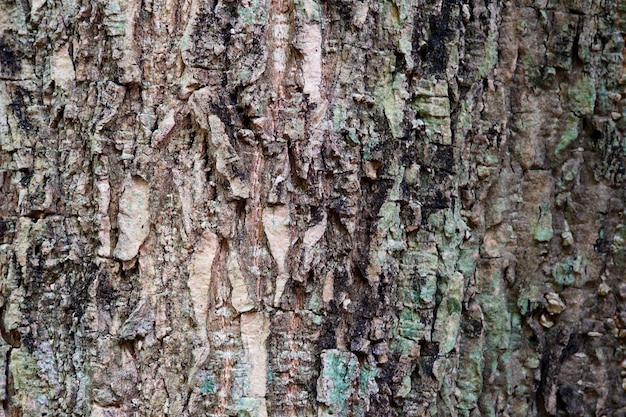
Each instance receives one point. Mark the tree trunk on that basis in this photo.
(312, 208)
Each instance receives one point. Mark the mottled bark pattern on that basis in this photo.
(312, 208)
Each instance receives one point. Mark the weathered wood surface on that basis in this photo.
(309, 208)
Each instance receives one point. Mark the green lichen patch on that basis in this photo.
(582, 95)
(254, 13)
(28, 391)
(433, 106)
(491, 55)
(469, 380)
(389, 238)
(529, 300)
(493, 303)
(564, 272)
(208, 386)
(335, 384)
(391, 97)
(339, 115)
(310, 9)
(402, 346)
(570, 134)
(114, 20)
(251, 407)
(410, 326)
(367, 388)
(541, 225)
(619, 239)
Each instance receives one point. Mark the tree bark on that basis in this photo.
(312, 208)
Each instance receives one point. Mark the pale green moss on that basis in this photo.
(433, 106)
(370, 148)
(310, 9)
(389, 238)
(451, 282)
(391, 12)
(492, 157)
(315, 304)
(431, 87)
(405, 387)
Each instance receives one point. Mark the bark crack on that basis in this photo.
(6, 402)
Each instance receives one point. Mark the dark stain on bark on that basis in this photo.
(429, 348)
(606, 140)
(571, 400)
(4, 229)
(434, 54)
(328, 339)
(79, 292)
(10, 63)
(602, 246)
(574, 345)
(11, 337)
(21, 100)
(105, 293)
(340, 10)
(470, 326)
(8, 390)
(433, 202)
(444, 158)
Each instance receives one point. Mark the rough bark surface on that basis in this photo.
(312, 208)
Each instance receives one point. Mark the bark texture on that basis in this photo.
(312, 208)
